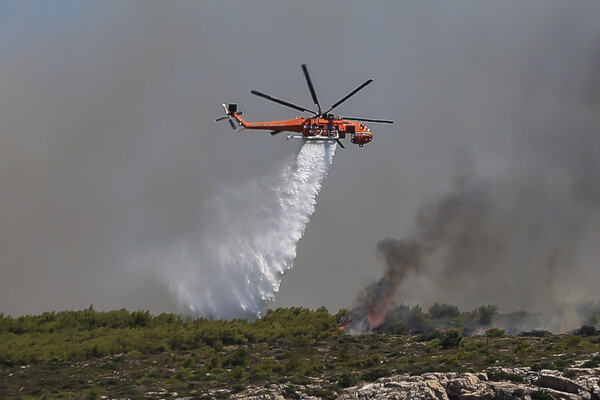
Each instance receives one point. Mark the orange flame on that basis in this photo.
(378, 310)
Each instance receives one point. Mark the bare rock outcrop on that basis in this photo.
(497, 383)
(525, 384)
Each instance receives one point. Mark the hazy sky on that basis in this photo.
(108, 150)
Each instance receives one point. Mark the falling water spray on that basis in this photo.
(234, 268)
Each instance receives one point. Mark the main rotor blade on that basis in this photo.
(313, 93)
(379, 121)
(273, 133)
(352, 93)
(340, 143)
(282, 102)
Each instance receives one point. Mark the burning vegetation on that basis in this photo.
(441, 318)
(485, 242)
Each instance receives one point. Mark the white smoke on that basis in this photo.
(234, 267)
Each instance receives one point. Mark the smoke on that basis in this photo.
(235, 267)
(524, 242)
(107, 148)
(523, 236)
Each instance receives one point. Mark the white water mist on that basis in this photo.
(234, 267)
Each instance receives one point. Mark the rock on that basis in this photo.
(595, 392)
(476, 386)
(551, 380)
(469, 387)
(399, 388)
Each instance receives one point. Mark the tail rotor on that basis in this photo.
(229, 111)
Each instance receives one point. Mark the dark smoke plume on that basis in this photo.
(486, 239)
(524, 236)
(400, 258)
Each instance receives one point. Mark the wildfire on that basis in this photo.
(344, 324)
(378, 310)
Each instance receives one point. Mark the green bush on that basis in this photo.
(434, 344)
(429, 336)
(238, 357)
(348, 379)
(372, 361)
(503, 376)
(541, 395)
(587, 330)
(375, 374)
(591, 364)
(524, 346)
(451, 339)
(325, 394)
(570, 373)
(439, 311)
(495, 333)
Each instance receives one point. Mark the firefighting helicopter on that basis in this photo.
(321, 126)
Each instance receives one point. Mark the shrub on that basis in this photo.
(495, 333)
(375, 374)
(541, 395)
(438, 311)
(435, 344)
(238, 357)
(325, 394)
(348, 379)
(570, 373)
(451, 339)
(290, 392)
(134, 354)
(399, 328)
(503, 376)
(524, 347)
(94, 394)
(486, 314)
(373, 361)
(587, 330)
(427, 337)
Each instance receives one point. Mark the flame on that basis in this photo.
(344, 324)
(378, 308)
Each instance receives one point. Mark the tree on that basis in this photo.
(439, 311)
(452, 338)
(495, 333)
(487, 313)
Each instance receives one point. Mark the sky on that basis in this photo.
(108, 150)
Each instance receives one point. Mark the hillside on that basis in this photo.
(289, 352)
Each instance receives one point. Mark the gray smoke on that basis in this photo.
(522, 234)
(526, 238)
(515, 241)
(107, 147)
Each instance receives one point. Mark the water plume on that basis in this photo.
(235, 267)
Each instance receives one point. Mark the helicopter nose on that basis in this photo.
(362, 138)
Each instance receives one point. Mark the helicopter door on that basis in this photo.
(350, 129)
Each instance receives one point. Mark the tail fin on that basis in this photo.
(231, 114)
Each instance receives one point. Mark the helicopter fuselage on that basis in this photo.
(331, 128)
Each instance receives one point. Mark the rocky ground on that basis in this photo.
(519, 383)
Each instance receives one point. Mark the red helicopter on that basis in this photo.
(322, 126)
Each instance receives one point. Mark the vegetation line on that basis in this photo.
(122, 354)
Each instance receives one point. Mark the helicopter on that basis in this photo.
(321, 126)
